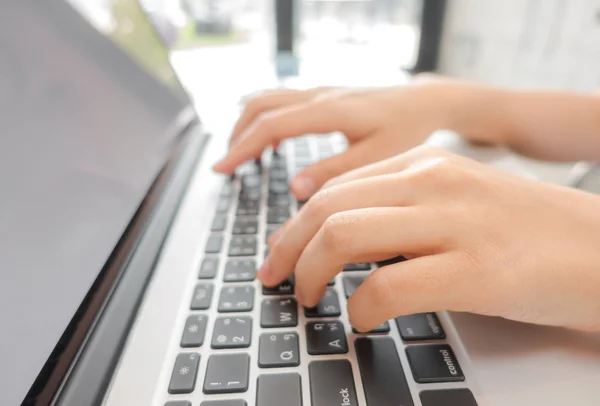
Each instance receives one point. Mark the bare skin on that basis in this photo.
(479, 240)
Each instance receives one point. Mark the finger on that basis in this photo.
(265, 102)
(425, 284)
(276, 235)
(291, 121)
(312, 178)
(302, 228)
(415, 158)
(270, 101)
(366, 235)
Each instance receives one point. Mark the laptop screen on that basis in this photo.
(88, 105)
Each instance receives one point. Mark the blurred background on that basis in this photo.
(225, 49)
(522, 43)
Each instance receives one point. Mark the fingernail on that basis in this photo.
(303, 186)
(265, 271)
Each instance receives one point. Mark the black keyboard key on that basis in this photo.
(278, 200)
(232, 402)
(250, 197)
(214, 244)
(380, 329)
(278, 163)
(278, 215)
(271, 228)
(183, 377)
(251, 180)
(236, 299)
(202, 296)
(245, 225)
(326, 338)
(329, 306)
(434, 363)
(278, 350)
(284, 288)
(242, 246)
(194, 331)
(279, 390)
(278, 187)
(278, 174)
(227, 374)
(420, 326)
(223, 204)
(179, 403)
(247, 210)
(332, 383)
(351, 283)
(232, 332)
(357, 267)
(219, 223)
(382, 374)
(391, 261)
(248, 168)
(208, 268)
(240, 270)
(448, 397)
(279, 313)
(248, 204)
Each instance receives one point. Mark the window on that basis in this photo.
(366, 32)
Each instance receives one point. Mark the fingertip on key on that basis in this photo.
(303, 187)
(264, 273)
(219, 167)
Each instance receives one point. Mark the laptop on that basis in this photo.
(127, 267)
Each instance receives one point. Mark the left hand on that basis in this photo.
(478, 240)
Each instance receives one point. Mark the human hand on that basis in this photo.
(378, 123)
(478, 240)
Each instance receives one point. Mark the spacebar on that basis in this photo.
(382, 375)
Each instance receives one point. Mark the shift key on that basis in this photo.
(331, 383)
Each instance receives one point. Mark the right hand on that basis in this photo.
(378, 123)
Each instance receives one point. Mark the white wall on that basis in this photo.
(524, 43)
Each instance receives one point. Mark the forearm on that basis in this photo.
(540, 124)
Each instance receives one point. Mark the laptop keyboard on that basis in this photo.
(235, 326)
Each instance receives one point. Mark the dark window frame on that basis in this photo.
(432, 18)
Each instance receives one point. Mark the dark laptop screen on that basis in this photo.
(84, 130)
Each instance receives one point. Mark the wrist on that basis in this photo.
(479, 113)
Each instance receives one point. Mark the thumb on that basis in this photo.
(312, 178)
